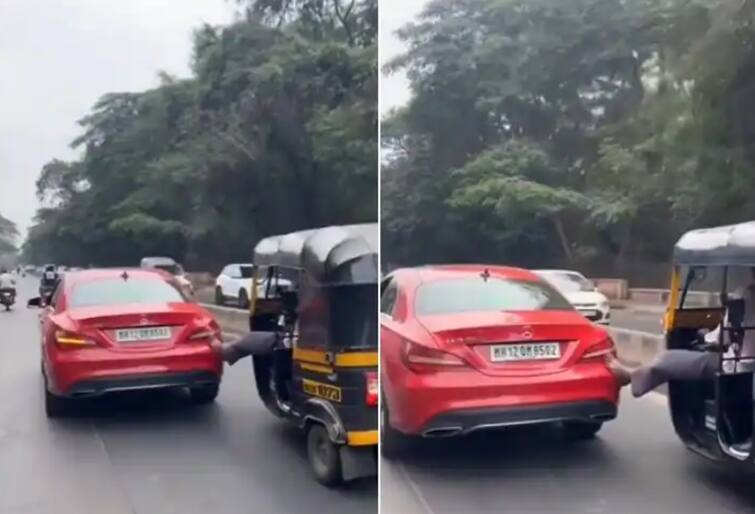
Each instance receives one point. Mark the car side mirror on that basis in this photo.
(34, 303)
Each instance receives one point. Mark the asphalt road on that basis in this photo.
(149, 453)
(637, 319)
(635, 466)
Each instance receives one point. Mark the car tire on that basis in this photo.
(243, 299)
(205, 394)
(581, 430)
(323, 455)
(393, 443)
(55, 406)
(219, 298)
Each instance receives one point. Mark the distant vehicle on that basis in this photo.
(7, 298)
(170, 266)
(468, 348)
(234, 283)
(581, 293)
(114, 330)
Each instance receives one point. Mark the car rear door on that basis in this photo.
(223, 281)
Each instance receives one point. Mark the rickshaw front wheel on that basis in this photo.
(323, 456)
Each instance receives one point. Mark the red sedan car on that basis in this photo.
(465, 348)
(116, 330)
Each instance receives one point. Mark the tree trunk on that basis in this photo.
(624, 249)
(561, 232)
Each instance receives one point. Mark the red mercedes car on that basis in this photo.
(116, 330)
(466, 348)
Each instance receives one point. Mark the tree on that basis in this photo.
(8, 235)
(566, 132)
(275, 131)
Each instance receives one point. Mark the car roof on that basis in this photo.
(440, 271)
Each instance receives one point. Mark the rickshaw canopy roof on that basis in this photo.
(730, 245)
(322, 252)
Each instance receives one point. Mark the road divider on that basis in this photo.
(232, 321)
(636, 347)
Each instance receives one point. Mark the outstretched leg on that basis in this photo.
(670, 365)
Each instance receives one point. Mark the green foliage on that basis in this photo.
(553, 131)
(275, 131)
(8, 235)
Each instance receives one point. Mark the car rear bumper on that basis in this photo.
(465, 421)
(75, 372)
(419, 400)
(100, 386)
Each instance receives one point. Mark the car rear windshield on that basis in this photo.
(485, 295)
(247, 271)
(117, 291)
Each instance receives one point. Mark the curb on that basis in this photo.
(634, 347)
(233, 321)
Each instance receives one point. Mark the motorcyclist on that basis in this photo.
(7, 282)
(49, 281)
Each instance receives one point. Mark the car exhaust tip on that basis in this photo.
(437, 433)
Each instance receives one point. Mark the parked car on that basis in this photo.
(234, 284)
(113, 330)
(468, 348)
(581, 293)
(172, 267)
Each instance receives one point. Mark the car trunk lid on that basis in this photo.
(535, 342)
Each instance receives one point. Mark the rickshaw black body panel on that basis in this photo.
(323, 376)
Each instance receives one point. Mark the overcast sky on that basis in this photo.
(57, 57)
(394, 89)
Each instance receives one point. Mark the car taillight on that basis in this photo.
(205, 334)
(601, 350)
(372, 389)
(71, 339)
(421, 359)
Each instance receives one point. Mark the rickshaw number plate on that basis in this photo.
(525, 352)
(321, 390)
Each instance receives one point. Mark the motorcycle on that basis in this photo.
(7, 298)
(46, 295)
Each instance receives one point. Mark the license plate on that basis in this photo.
(525, 352)
(326, 391)
(133, 335)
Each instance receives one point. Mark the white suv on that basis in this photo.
(234, 283)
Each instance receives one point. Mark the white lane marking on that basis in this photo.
(415, 489)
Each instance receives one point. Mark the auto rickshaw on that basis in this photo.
(713, 417)
(320, 370)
